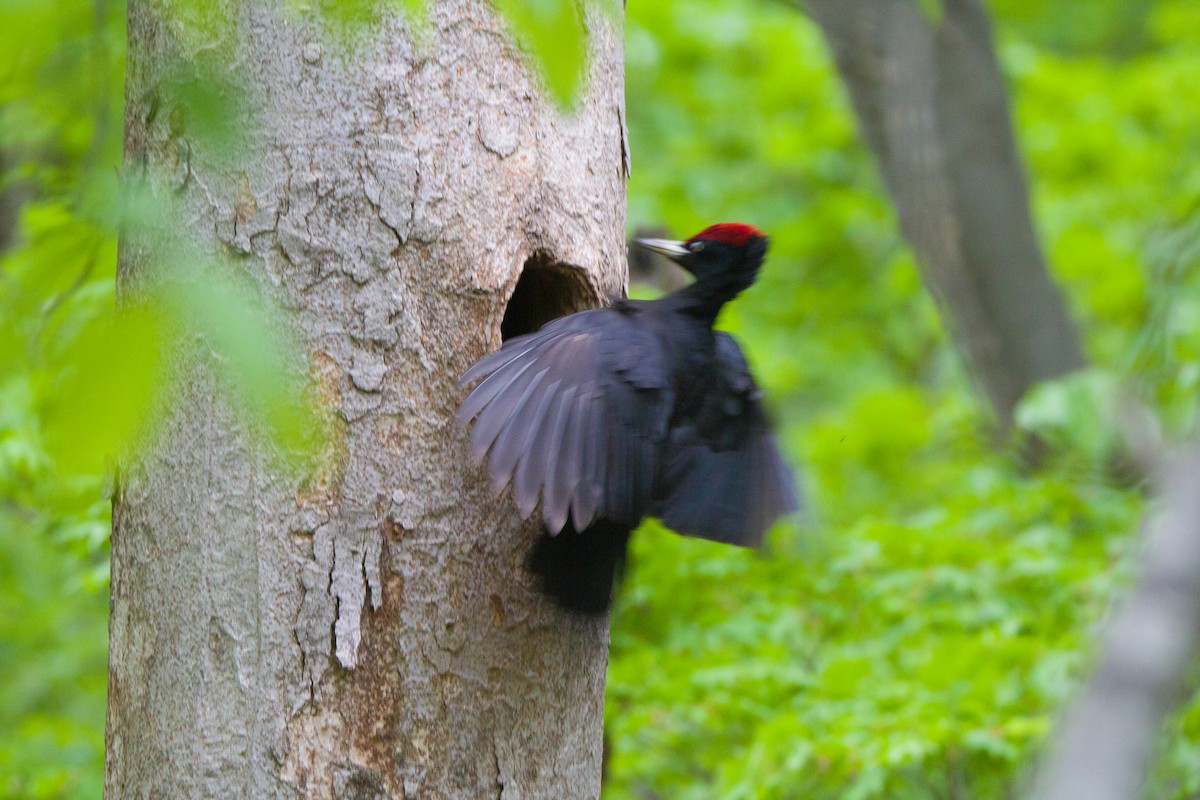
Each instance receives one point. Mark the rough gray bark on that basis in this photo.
(370, 633)
(932, 105)
(1104, 745)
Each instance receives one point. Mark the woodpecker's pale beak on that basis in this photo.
(671, 249)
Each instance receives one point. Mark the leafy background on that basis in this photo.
(912, 637)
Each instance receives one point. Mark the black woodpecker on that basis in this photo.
(637, 409)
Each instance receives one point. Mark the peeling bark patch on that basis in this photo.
(358, 784)
(303, 541)
(391, 188)
(626, 164)
(310, 741)
(504, 759)
(316, 617)
(245, 204)
(381, 311)
(376, 703)
(498, 615)
(323, 487)
(372, 553)
(395, 530)
(499, 774)
(450, 636)
(367, 372)
(355, 568)
(499, 130)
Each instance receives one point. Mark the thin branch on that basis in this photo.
(13, 508)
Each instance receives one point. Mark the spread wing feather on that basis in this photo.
(723, 477)
(554, 493)
(570, 414)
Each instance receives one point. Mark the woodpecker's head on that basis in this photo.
(728, 253)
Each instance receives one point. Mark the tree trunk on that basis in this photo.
(933, 107)
(1144, 666)
(372, 633)
(14, 194)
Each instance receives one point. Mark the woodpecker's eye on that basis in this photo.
(696, 247)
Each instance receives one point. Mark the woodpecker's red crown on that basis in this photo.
(734, 234)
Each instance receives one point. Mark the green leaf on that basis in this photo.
(554, 37)
(109, 375)
(933, 10)
(349, 14)
(1077, 414)
(207, 105)
(257, 356)
(348, 22)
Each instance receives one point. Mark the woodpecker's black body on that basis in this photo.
(639, 409)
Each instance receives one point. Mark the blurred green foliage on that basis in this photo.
(78, 379)
(60, 112)
(914, 636)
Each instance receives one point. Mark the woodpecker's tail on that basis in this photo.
(577, 569)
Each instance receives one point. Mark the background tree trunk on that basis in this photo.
(371, 634)
(1105, 742)
(14, 194)
(933, 108)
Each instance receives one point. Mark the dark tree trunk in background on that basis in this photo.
(13, 195)
(370, 633)
(934, 109)
(8, 210)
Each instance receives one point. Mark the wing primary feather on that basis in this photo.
(499, 423)
(492, 417)
(645, 468)
(512, 350)
(556, 499)
(591, 466)
(766, 507)
(607, 455)
(489, 388)
(563, 361)
(531, 472)
(785, 482)
(632, 466)
(618, 484)
(574, 446)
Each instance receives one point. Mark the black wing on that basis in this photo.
(723, 477)
(575, 413)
